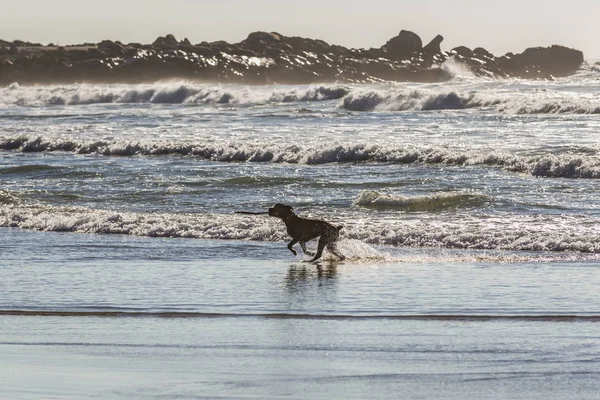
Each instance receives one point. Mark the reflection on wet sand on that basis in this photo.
(301, 276)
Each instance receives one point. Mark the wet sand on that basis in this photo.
(238, 357)
(118, 317)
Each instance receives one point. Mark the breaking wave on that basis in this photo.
(435, 202)
(558, 233)
(165, 93)
(352, 98)
(584, 164)
(526, 102)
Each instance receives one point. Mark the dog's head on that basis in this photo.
(281, 211)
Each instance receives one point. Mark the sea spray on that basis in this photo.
(359, 251)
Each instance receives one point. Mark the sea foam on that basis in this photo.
(490, 96)
(507, 102)
(163, 93)
(557, 233)
(584, 164)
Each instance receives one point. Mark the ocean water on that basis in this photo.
(470, 218)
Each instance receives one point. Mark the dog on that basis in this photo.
(302, 230)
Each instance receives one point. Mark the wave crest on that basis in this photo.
(434, 202)
(417, 100)
(163, 93)
(351, 98)
(585, 165)
(532, 102)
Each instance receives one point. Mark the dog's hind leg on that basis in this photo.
(320, 248)
(291, 246)
(334, 250)
(305, 250)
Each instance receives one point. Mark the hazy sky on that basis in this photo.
(499, 26)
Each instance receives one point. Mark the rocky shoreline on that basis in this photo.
(271, 58)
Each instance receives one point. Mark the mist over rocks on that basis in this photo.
(270, 57)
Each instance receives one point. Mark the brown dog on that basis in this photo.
(302, 230)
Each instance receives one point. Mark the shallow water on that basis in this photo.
(154, 318)
(88, 275)
(470, 225)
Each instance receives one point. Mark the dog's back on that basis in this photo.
(306, 229)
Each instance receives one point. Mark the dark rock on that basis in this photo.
(310, 45)
(403, 46)
(77, 55)
(463, 51)
(112, 49)
(433, 47)
(262, 37)
(482, 53)
(261, 42)
(21, 43)
(168, 41)
(555, 60)
(373, 53)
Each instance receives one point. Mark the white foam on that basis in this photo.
(358, 251)
(444, 98)
(586, 164)
(163, 93)
(466, 94)
(551, 233)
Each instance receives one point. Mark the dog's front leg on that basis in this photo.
(305, 250)
(291, 246)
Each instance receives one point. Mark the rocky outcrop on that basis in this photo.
(270, 57)
(556, 60)
(404, 46)
(109, 47)
(433, 47)
(168, 42)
